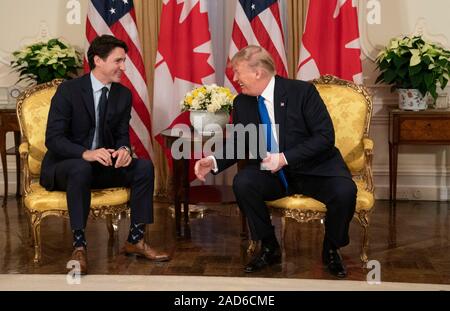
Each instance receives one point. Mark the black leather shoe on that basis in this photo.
(264, 258)
(333, 261)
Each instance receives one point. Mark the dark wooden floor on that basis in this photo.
(412, 245)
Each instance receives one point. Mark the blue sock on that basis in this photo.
(79, 239)
(136, 233)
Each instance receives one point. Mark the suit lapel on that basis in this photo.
(280, 108)
(88, 96)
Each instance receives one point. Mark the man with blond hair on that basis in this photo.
(299, 157)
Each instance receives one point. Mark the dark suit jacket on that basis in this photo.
(71, 123)
(306, 133)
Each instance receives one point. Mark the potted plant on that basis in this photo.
(208, 105)
(415, 68)
(44, 61)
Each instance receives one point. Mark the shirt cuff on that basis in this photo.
(215, 168)
(285, 160)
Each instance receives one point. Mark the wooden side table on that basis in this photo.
(427, 127)
(9, 123)
(182, 191)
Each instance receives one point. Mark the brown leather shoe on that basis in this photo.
(79, 254)
(143, 249)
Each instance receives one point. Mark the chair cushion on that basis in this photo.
(348, 110)
(364, 201)
(42, 200)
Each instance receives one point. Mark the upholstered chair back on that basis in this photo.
(33, 114)
(350, 111)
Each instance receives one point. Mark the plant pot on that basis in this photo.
(412, 99)
(205, 122)
(442, 101)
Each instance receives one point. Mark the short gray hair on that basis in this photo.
(256, 57)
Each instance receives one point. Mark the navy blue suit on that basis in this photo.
(315, 166)
(70, 132)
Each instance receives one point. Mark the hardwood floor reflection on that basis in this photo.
(411, 242)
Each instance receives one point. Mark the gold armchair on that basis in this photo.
(350, 107)
(32, 112)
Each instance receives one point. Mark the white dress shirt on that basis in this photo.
(268, 95)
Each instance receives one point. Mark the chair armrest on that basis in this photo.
(368, 151)
(24, 149)
(368, 144)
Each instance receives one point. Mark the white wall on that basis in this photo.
(422, 169)
(24, 21)
(422, 172)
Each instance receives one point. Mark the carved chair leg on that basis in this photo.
(363, 218)
(115, 222)
(283, 236)
(30, 227)
(109, 225)
(283, 232)
(36, 229)
(112, 224)
(252, 246)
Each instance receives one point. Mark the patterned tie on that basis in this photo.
(272, 145)
(101, 116)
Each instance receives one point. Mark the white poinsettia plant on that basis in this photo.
(45, 61)
(211, 98)
(411, 62)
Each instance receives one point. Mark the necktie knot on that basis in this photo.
(261, 100)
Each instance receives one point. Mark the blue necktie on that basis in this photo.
(272, 145)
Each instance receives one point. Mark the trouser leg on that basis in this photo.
(252, 187)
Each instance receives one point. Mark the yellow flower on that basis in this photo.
(211, 98)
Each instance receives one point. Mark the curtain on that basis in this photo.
(296, 15)
(148, 18)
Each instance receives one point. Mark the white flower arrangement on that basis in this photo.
(411, 62)
(45, 61)
(211, 98)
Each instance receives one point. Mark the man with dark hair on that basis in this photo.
(300, 158)
(88, 147)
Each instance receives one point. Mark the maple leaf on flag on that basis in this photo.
(179, 48)
(332, 38)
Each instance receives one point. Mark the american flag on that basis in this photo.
(257, 23)
(117, 18)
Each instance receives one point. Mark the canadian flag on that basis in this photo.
(184, 61)
(330, 43)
